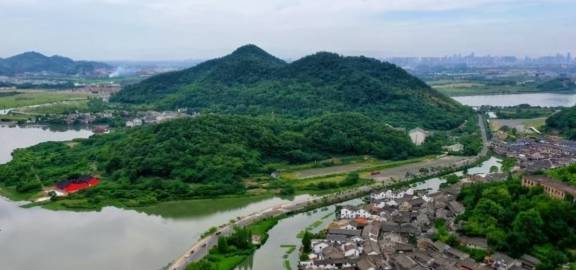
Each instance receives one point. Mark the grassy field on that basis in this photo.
(18, 98)
(337, 173)
(12, 194)
(521, 125)
(466, 88)
(58, 108)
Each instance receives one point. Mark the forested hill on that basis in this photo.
(252, 82)
(199, 157)
(33, 62)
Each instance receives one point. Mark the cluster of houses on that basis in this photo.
(395, 230)
(536, 155)
(153, 117)
(85, 118)
(131, 119)
(103, 91)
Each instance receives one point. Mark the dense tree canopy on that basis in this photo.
(250, 81)
(518, 221)
(202, 156)
(564, 122)
(558, 85)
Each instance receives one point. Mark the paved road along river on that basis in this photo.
(202, 247)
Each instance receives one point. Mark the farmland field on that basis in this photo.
(465, 88)
(17, 98)
(341, 170)
(521, 125)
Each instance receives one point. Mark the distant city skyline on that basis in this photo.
(289, 29)
(567, 55)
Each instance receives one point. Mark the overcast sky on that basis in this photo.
(200, 29)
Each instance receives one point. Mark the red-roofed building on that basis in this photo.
(77, 184)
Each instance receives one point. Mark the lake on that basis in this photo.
(143, 239)
(534, 99)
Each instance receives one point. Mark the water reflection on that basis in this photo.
(19, 137)
(110, 239)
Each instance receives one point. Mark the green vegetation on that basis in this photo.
(508, 164)
(443, 234)
(289, 250)
(287, 117)
(518, 221)
(469, 136)
(340, 168)
(210, 231)
(306, 244)
(470, 87)
(563, 122)
(201, 157)
(451, 179)
(252, 82)
(566, 174)
(15, 99)
(491, 86)
(522, 111)
(234, 249)
(558, 85)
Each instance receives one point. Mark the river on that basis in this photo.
(111, 239)
(273, 253)
(534, 99)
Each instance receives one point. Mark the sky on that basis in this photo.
(202, 29)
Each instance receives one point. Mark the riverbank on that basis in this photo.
(316, 186)
(333, 179)
(204, 245)
(237, 247)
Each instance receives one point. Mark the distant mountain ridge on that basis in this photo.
(33, 62)
(253, 82)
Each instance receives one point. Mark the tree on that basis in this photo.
(528, 225)
(493, 169)
(350, 180)
(222, 245)
(201, 265)
(307, 242)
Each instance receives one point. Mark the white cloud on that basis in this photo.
(206, 28)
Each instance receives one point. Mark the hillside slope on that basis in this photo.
(204, 156)
(252, 82)
(33, 62)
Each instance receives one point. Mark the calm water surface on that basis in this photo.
(535, 99)
(110, 239)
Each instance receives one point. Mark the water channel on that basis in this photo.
(272, 254)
